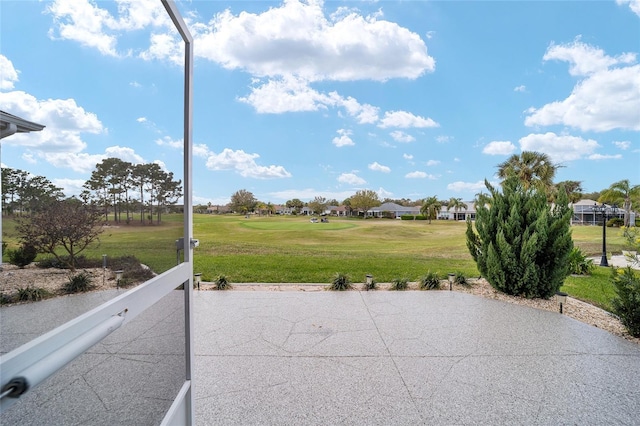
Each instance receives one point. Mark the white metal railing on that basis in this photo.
(25, 367)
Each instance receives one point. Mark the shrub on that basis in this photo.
(399, 284)
(340, 282)
(133, 270)
(50, 262)
(78, 283)
(431, 281)
(413, 217)
(63, 262)
(371, 286)
(460, 279)
(222, 283)
(579, 264)
(522, 243)
(626, 304)
(5, 299)
(32, 294)
(22, 256)
(615, 221)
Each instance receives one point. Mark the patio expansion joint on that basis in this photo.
(393, 359)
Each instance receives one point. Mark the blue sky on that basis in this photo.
(298, 99)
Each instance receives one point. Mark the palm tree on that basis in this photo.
(457, 204)
(622, 193)
(532, 168)
(573, 189)
(430, 208)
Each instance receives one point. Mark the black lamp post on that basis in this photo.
(602, 209)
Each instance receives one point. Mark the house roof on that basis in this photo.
(10, 124)
(393, 207)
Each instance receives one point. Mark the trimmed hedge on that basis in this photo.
(412, 217)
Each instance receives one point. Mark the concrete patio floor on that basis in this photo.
(342, 358)
(434, 358)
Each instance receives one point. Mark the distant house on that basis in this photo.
(218, 209)
(339, 211)
(585, 214)
(449, 213)
(393, 210)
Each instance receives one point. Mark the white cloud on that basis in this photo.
(124, 153)
(65, 121)
(141, 119)
(401, 136)
(460, 186)
(201, 150)
(376, 167)
(605, 157)
(559, 147)
(84, 22)
(165, 47)
(432, 163)
(8, 74)
(29, 158)
(290, 94)
(404, 119)
(383, 193)
(623, 145)
(286, 95)
(634, 5)
(605, 99)
(420, 175)
(244, 164)
(521, 88)
(407, 156)
(584, 58)
(444, 139)
(499, 148)
(344, 139)
(351, 179)
(167, 141)
(297, 39)
(70, 187)
(80, 162)
(364, 113)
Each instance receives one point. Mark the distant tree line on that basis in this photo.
(122, 187)
(23, 193)
(534, 170)
(115, 187)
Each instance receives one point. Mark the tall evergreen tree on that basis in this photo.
(522, 243)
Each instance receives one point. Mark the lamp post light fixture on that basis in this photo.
(118, 277)
(561, 298)
(198, 279)
(451, 279)
(368, 282)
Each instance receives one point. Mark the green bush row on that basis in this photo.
(412, 217)
(430, 281)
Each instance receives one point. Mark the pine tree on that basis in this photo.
(522, 243)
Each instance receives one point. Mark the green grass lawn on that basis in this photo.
(292, 249)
